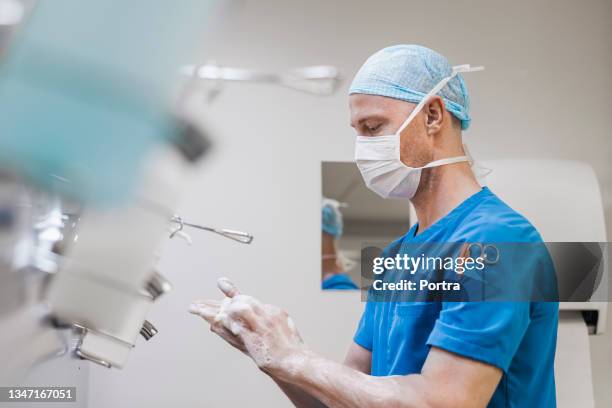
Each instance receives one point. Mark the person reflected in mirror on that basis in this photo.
(333, 269)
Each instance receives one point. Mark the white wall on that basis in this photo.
(545, 93)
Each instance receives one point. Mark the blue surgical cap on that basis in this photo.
(331, 222)
(408, 73)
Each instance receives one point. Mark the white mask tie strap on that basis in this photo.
(450, 160)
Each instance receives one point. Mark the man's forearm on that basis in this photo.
(298, 397)
(336, 385)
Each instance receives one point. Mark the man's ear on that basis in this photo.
(434, 113)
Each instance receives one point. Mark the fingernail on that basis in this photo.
(226, 285)
(193, 308)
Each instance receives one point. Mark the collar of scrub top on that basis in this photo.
(238, 236)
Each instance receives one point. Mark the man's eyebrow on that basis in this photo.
(375, 116)
(354, 123)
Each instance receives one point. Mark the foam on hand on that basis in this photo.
(236, 313)
(222, 314)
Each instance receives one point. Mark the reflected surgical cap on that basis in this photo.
(331, 221)
(408, 73)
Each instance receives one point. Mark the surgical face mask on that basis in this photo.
(345, 262)
(378, 157)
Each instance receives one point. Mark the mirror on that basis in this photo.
(351, 217)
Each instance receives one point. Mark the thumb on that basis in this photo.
(227, 287)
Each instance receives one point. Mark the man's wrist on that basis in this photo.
(291, 369)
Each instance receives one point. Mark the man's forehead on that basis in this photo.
(364, 106)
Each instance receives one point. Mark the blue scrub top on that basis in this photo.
(518, 337)
(339, 281)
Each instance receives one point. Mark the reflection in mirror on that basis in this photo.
(351, 217)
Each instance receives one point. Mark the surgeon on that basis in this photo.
(409, 108)
(333, 272)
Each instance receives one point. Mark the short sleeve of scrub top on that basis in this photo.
(364, 335)
(490, 332)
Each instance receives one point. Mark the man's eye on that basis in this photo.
(373, 129)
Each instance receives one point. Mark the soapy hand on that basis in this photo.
(263, 332)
